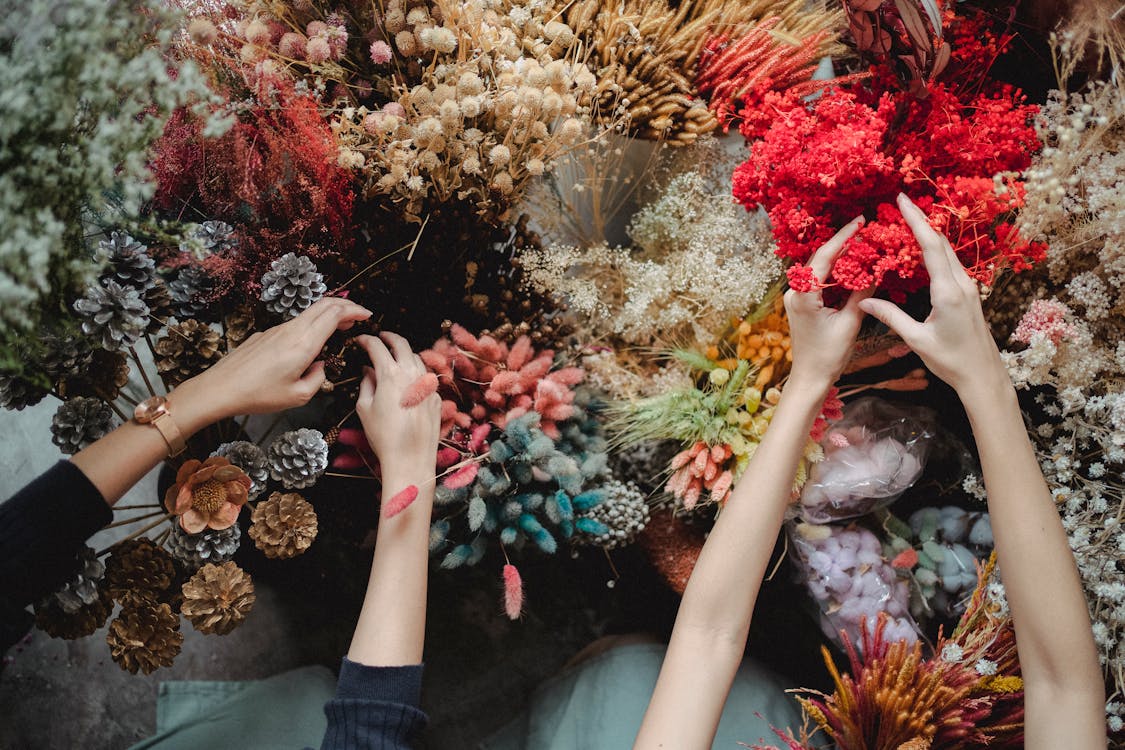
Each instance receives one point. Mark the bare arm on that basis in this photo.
(709, 637)
(1064, 692)
(392, 622)
(272, 371)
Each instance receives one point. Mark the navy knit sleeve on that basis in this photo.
(42, 529)
(375, 708)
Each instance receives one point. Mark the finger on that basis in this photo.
(377, 350)
(366, 387)
(960, 273)
(822, 260)
(892, 316)
(309, 383)
(404, 355)
(336, 317)
(933, 254)
(855, 298)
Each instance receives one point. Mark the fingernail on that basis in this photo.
(859, 219)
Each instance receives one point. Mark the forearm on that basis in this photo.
(711, 628)
(1049, 612)
(120, 459)
(392, 624)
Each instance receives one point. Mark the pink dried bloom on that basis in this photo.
(1047, 317)
(380, 52)
(317, 50)
(463, 477)
(513, 592)
(292, 45)
(401, 501)
(418, 391)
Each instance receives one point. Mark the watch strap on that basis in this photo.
(170, 432)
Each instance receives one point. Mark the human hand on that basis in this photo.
(272, 370)
(405, 438)
(821, 337)
(954, 341)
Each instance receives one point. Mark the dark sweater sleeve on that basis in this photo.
(42, 529)
(375, 708)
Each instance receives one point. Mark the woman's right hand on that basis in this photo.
(404, 438)
(954, 341)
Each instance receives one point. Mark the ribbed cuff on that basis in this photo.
(42, 528)
(355, 724)
(389, 684)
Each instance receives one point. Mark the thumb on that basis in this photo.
(892, 316)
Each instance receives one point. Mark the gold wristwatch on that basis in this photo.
(154, 411)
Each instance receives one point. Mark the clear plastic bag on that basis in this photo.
(871, 457)
(851, 581)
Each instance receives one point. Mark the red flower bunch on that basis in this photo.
(273, 176)
(483, 381)
(815, 166)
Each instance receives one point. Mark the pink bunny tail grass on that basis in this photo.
(401, 501)
(463, 477)
(513, 592)
(419, 391)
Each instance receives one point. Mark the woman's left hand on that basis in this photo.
(273, 370)
(821, 337)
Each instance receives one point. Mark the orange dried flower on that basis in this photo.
(764, 343)
(208, 494)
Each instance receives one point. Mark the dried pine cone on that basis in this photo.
(209, 238)
(283, 526)
(18, 394)
(297, 458)
(64, 356)
(187, 349)
(159, 301)
(128, 262)
(190, 290)
(115, 315)
(239, 324)
(207, 494)
(209, 546)
(291, 285)
(218, 598)
(624, 512)
(56, 622)
(251, 459)
(137, 570)
(79, 422)
(145, 637)
(104, 377)
(82, 590)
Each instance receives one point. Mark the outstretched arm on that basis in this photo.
(709, 637)
(1064, 692)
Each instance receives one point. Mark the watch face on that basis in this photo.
(150, 409)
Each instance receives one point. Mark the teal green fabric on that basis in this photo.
(600, 703)
(283, 711)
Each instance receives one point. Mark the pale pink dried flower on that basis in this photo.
(381, 53)
(401, 501)
(292, 45)
(317, 50)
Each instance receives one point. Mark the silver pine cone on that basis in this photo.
(65, 356)
(117, 315)
(291, 285)
(624, 512)
(128, 262)
(251, 459)
(83, 588)
(18, 394)
(193, 551)
(189, 292)
(297, 458)
(79, 422)
(209, 238)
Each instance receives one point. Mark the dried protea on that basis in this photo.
(115, 315)
(291, 285)
(208, 494)
(283, 526)
(297, 458)
(251, 459)
(218, 598)
(79, 422)
(145, 637)
(185, 350)
(138, 570)
(208, 546)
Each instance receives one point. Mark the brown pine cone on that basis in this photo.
(218, 598)
(106, 375)
(186, 350)
(239, 324)
(145, 637)
(283, 526)
(137, 570)
(159, 301)
(53, 620)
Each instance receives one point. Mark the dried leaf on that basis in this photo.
(915, 26)
(934, 12)
(941, 59)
